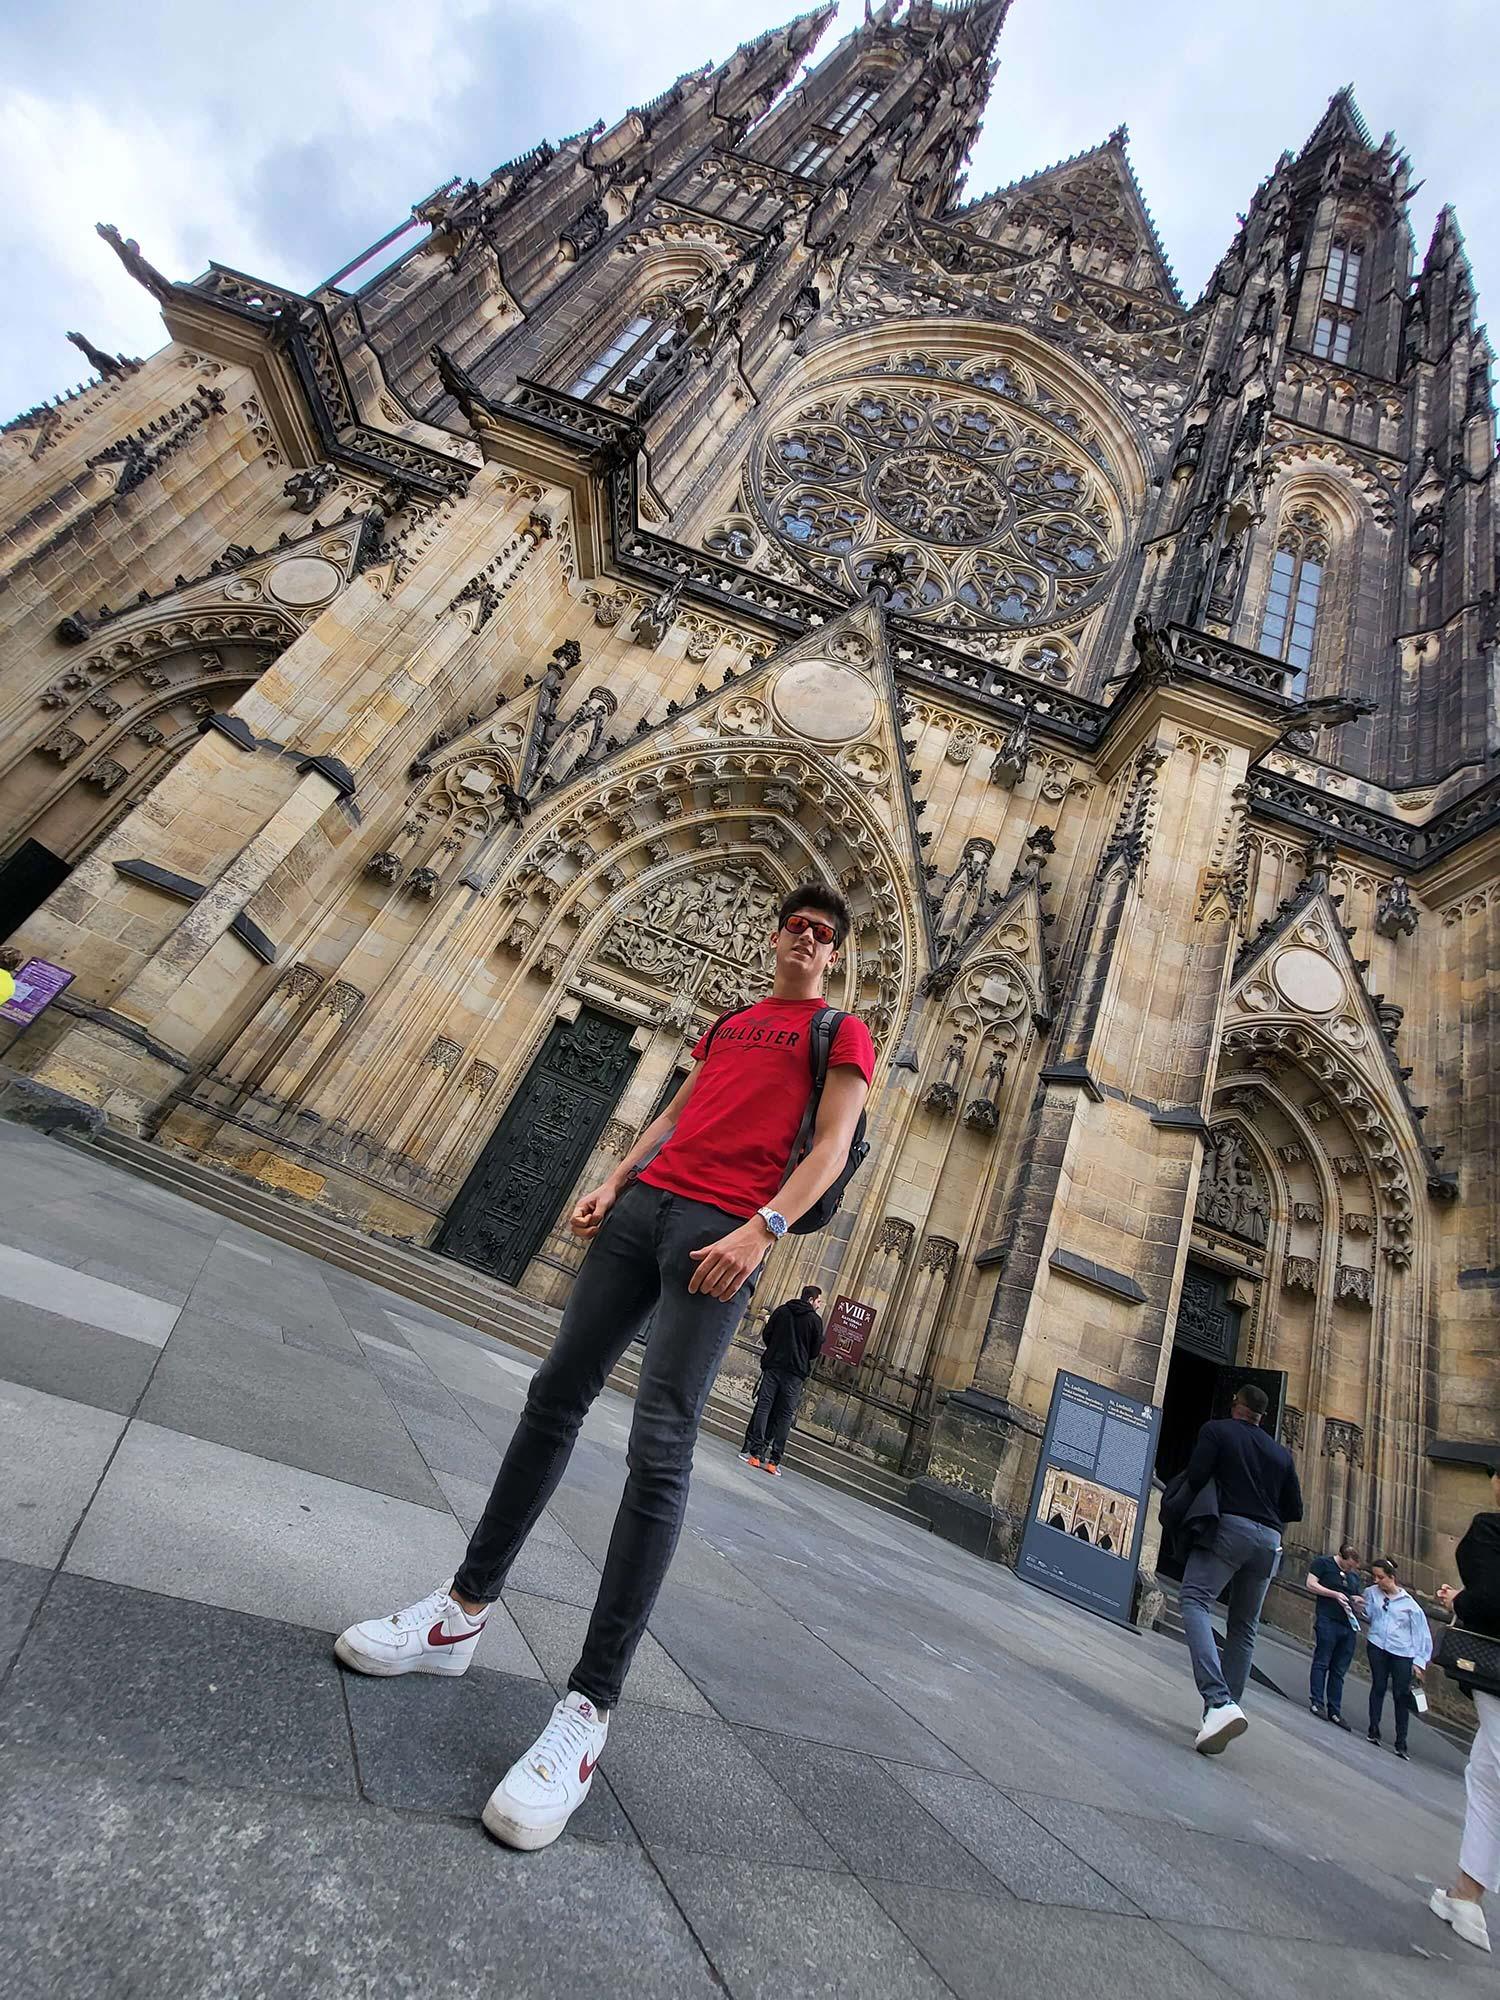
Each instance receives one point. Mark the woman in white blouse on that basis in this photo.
(1399, 1645)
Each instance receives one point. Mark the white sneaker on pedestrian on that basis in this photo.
(432, 1637)
(1220, 1727)
(1466, 1918)
(542, 1790)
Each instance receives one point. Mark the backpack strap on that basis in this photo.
(821, 1033)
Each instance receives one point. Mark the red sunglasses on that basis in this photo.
(824, 933)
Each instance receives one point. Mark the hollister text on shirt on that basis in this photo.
(732, 1144)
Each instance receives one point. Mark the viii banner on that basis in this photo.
(1082, 1539)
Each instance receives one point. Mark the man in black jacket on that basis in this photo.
(793, 1340)
(1258, 1495)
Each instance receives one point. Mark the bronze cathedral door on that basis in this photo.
(512, 1197)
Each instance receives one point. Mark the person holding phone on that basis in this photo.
(1338, 1594)
(1399, 1646)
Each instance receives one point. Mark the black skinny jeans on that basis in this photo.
(1393, 1671)
(639, 1260)
(776, 1404)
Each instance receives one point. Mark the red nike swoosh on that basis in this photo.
(438, 1637)
(586, 1768)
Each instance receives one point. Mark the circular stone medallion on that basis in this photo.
(823, 702)
(1308, 980)
(303, 580)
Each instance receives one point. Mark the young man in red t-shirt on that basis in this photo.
(680, 1226)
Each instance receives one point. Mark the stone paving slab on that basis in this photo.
(875, 1827)
(287, 1404)
(120, 1887)
(83, 1364)
(1178, 1873)
(687, 1782)
(42, 1284)
(982, 1946)
(1261, 1968)
(114, 1677)
(799, 1934)
(54, 1451)
(22, 1586)
(769, 1671)
(188, 1518)
(1015, 1848)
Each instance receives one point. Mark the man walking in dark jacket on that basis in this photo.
(1258, 1495)
(793, 1340)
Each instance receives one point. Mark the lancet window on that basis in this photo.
(634, 347)
(1334, 332)
(1290, 623)
(817, 147)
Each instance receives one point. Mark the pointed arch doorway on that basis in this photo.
(1204, 1372)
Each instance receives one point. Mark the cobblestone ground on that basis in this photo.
(851, 1760)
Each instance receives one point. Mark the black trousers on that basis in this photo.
(1390, 1670)
(639, 1261)
(1333, 1649)
(774, 1414)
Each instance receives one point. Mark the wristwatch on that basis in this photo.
(774, 1221)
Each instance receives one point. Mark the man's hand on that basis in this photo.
(723, 1267)
(1418, 1672)
(591, 1211)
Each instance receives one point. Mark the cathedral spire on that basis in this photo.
(761, 68)
(1341, 124)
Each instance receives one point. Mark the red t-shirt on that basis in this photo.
(732, 1145)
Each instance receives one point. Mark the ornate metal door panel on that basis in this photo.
(511, 1199)
(1208, 1321)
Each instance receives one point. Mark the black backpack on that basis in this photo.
(825, 1025)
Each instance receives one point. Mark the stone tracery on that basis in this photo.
(989, 478)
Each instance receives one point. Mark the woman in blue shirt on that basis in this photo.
(1399, 1646)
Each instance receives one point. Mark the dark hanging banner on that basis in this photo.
(1082, 1539)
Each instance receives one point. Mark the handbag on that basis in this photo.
(1472, 1659)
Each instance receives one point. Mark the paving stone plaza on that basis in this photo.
(852, 1760)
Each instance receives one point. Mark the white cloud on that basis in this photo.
(283, 138)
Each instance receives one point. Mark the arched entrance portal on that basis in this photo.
(115, 725)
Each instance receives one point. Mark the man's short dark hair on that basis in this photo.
(1348, 1549)
(1250, 1398)
(811, 1292)
(814, 897)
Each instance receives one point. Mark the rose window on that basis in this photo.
(1000, 515)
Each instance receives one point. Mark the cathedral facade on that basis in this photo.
(419, 694)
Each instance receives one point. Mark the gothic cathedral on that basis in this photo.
(419, 694)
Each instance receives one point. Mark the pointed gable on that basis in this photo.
(1298, 973)
(1342, 124)
(1095, 198)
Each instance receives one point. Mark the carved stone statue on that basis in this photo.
(1231, 1195)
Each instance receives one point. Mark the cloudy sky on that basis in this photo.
(285, 136)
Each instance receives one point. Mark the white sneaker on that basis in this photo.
(541, 1791)
(1466, 1918)
(1220, 1727)
(433, 1637)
